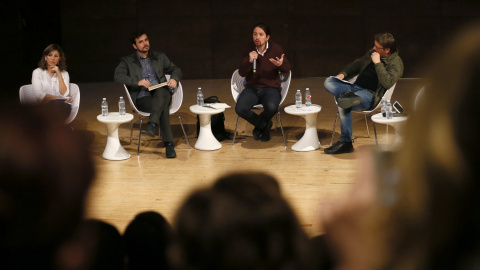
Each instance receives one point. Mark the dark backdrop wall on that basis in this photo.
(204, 38)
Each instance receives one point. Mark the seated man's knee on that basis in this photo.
(329, 84)
(270, 108)
(241, 110)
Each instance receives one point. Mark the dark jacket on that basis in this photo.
(129, 71)
(389, 70)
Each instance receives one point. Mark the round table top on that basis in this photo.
(205, 110)
(378, 118)
(292, 109)
(115, 117)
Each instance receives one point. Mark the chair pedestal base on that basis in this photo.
(206, 140)
(309, 141)
(113, 149)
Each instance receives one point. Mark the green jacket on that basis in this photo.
(129, 71)
(389, 70)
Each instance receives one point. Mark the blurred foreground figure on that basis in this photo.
(146, 239)
(45, 173)
(419, 208)
(241, 222)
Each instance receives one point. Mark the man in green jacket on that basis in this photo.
(377, 71)
(144, 69)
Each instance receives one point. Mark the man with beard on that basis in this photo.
(144, 69)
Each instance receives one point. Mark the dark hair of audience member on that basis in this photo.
(241, 222)
(146, 239)
(45, 173)
(437, 218)
(105, 245)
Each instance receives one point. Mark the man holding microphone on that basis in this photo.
(260, 64)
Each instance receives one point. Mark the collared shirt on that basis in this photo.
(43, 84)
(148, 73)
(263, 54)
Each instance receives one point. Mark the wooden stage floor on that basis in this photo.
(311, 181)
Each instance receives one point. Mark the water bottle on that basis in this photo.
(383, 104)
(121, 106)
(308, 97)
(298, 99)
(388, 108)
(104, 107)
(199, 97)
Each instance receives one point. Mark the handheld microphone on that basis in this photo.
(254, 65)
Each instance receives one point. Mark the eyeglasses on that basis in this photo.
(376, 47)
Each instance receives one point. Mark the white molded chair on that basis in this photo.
(387, 95)
(238, 84)
(75, 94)
(27, 96)
(177, 99)
(418, 97)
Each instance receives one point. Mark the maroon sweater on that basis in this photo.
(267, 72)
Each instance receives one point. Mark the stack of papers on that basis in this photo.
(218, 105)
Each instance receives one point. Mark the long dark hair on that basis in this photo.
(62, 64)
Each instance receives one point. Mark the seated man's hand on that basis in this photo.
(278, 61)
(144, 82)
(340, 76)
(172, 83)
(375, 57)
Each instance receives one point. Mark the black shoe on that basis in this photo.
(256, 133)
(339, 148)
(347, 100)
(170, 150)
(265, 134)
(152, 129)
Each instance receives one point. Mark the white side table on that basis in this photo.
(309, 141)
(114, 150)
(206, 140)
(395, 122)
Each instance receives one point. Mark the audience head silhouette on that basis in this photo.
(241, 222)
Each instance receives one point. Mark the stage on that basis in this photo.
(309, 180)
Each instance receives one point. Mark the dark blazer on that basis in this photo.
(129, 71)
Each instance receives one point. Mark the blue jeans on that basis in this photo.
(268, 97)
(336, 87)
